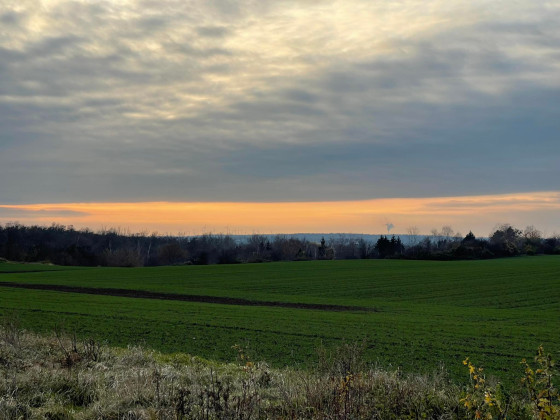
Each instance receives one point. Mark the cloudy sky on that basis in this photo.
(414, 112)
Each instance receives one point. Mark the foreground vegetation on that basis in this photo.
(60, 377)
(416, 314)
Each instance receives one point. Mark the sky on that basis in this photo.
(280, 116)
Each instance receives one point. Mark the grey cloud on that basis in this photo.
(153, 23)
(27, 213)
(102, 102)
(551, 201)
(189, 50)
(84, 111)
(53, 45)
(227, 7)
(275, 110)
(223, 69)
(11, 18)
(300, 95)
(213, 31)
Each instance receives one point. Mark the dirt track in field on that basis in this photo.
(144, 294)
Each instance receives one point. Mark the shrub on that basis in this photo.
(542, 392)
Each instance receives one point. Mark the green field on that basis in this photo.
(426, 312)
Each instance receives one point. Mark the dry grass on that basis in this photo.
(58, 377)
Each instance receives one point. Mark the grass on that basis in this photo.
(496, 311)
(362, 283)
(58, 377)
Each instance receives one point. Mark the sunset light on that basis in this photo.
(365, 216)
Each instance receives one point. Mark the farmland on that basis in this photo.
(414, 314)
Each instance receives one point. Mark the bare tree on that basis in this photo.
(531, 233)
(447, 232)
(413, 233)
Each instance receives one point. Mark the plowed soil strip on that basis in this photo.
(144, 294)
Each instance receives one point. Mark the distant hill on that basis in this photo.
(316, 237)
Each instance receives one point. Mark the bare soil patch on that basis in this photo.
(144, 294)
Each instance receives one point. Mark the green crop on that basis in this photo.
(426, 313)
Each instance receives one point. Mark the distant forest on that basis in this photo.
(64, 245)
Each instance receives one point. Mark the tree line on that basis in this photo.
(65, 245)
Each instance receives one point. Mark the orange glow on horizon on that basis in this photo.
(477, 213)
